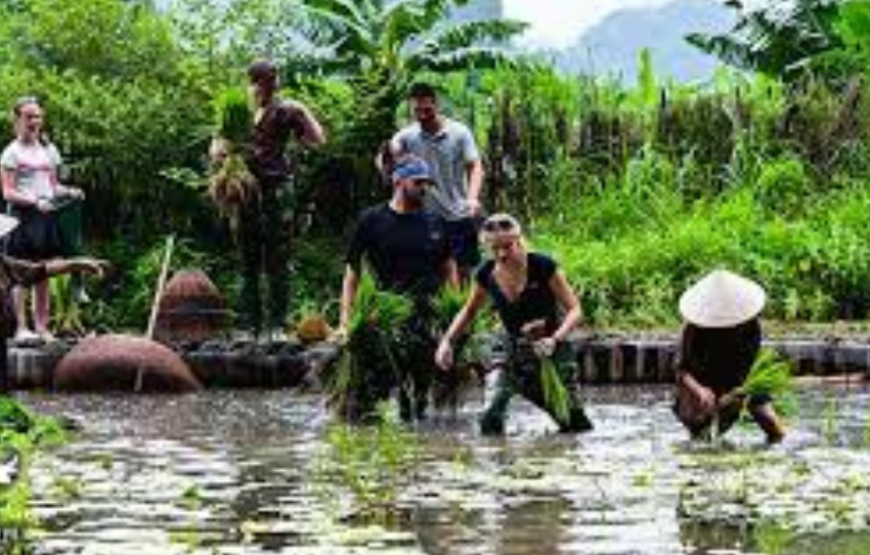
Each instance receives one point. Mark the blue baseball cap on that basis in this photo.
(412, 168)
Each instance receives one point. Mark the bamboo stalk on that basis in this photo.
(158, 293)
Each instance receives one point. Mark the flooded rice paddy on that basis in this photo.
(261, 472)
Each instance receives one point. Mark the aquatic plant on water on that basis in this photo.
(371, 462)
(21, 433)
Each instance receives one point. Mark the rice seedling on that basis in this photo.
(772, 538)
(555, 393)
(447, 304)
(232, 185)
(373, 334)
(771, 374)
(372, 463)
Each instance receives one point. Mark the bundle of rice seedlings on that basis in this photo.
(770, 375)
(232, 185)
(555, 393)
(373, 308)
(372, 333)
(447, 304)
(450, 388)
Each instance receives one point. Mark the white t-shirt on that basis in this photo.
(35, 166)
(447, 153)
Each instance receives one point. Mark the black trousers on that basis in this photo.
(520, 374)
(264, 233)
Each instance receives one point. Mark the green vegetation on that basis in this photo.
(638, 190)
(21, 433)
(770, 375)
(555, 392)
(373, 463)
(373, 338)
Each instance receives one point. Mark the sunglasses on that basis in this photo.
(499, 224)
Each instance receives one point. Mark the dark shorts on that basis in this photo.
(37, 236)
(464, 242)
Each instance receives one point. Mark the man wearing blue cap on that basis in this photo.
(408, 250)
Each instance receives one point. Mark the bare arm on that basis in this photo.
(312, 132)
(349, 286)
(474, 170)
(80, 264)
(450, 272)
(396, 147)
(568, 301)
(11, 194)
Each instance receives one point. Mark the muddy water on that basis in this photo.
(240, 473)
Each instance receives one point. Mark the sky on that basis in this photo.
(558, 23)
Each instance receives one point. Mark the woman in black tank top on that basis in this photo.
(528, 291)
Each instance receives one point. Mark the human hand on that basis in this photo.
(93, 266)
(75, 193)
(545, 347)
(44, 205)
(444, 355)
(706, 399)
(475, 208)
(339, 335)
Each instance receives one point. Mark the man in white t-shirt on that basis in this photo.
(449, 149)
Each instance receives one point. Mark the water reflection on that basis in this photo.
(223, 473)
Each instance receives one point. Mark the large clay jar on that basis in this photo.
(123, 363)
(190, 309)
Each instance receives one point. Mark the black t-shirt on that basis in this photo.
(535, 302)
(268, 159)
(406, 251)
(719, 358)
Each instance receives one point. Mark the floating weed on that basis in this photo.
(372, 462)
(643, 479)
(191, 498)
(771, 538)
(190, 539)
(22, 432)
(67, 488)
(15, 508)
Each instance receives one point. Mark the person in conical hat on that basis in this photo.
(18, 273)
(719, 342)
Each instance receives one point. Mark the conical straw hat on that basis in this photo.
(7, 224)
(722, 299)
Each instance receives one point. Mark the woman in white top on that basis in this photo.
(28, 172)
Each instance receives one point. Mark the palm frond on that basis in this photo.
(400, 23)
(475, 57)
(435, 11)
(345, 35)
(466, 35)
(728, 49)
(346, 10)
